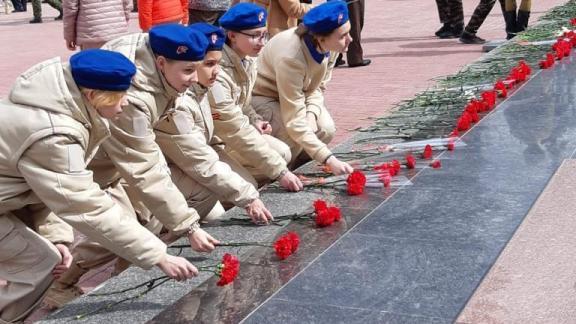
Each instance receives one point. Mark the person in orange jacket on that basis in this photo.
(156, 12)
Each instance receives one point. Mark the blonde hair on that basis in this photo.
(103, 98)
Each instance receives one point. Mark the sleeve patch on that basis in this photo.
(182, 123)
(140, 126)
(76, 158)
(218, 93)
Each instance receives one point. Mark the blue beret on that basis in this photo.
(243, 16)
(215, 35)
(102, 70)
(176, 42)
(326, 17)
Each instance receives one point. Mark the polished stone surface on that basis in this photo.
(314, 313)
(400, 276)
(425, 250)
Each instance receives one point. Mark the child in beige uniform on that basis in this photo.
(242, 131)
(293, 71)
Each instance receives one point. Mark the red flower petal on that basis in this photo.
(320, 205)
(463, 123)
(229, 271)
(335, 213)
(436, 164)
(410, 161)
(386, 180)
(294, 240)
(283, 247)
(427, 154)
(450, 146)
(324, 218)
(501, 89)
(356, 182)
(396, 165)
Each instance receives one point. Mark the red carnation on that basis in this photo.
(324, 218)
(489, 97)
(294, 241)
(283, 247)
(386, 179)
(472, 111)
(335, 213)
(396, 165)
(501, 89)
(391, 169)
(228, 269)
(355, 189)
(550, 59)
(454, 133)
(427, 154)
(573, 21)
(320, 205)
(525, 67)
(436, 164)
(356, 182)
(450, 145)
(463, 122)
(410, 161)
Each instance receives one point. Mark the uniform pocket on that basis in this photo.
(16, 253)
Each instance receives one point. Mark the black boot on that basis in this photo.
(36, 21)
(445, 30)
(510, 19)
(468, 38)
(457, 30)
(522, 22)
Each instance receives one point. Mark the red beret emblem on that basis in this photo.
(181, 50)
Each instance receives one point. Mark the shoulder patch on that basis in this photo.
(76, 158)
(218, 94)
(182, 123)
(140, 126)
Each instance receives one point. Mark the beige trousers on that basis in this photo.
(258, 174)
(89, 255)
(26, 263)
(269, 109)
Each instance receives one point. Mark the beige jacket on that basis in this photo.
(185, 135)
(48, 135)
(132, 148)
(233, 114)
(283, 14)
(288, 73)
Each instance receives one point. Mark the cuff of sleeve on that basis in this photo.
(250, 197)
(276, 172)
(322, 155)
(152, 257)
(313, 109)
(184, 226)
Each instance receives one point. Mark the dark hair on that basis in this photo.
(302, 30)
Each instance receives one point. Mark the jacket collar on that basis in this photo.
(232, 60)
(317, 56)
